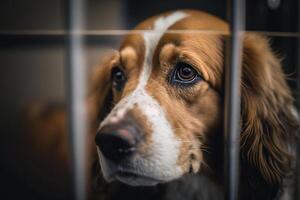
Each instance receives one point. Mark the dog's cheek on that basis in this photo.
(190, 156)
(186, 127)
(189, 129)
(208, 109)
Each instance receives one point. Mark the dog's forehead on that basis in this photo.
(140, 46)
(167, 22)
(152, 29)
(193, 20)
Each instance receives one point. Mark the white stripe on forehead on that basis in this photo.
(164, 151)
(151, 40)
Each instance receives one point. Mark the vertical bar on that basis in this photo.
(76, 96)
(297, 187)
(297, 170)
(236, 12)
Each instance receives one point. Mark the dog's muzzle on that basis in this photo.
(117, 146)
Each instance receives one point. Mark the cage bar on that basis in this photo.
(233, 60)
(297, 170)
(76, 76)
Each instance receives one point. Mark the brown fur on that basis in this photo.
(268, 124)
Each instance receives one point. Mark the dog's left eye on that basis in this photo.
(118, 77)
(184, 74)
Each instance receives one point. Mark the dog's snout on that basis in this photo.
(117, 143)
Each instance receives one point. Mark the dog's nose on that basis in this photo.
(117, 143)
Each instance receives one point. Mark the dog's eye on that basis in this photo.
(184, 74)
(118, 78)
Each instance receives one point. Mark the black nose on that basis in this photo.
(117, 143)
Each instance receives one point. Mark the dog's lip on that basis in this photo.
(136, 179)
(135, 175)
(126, 172)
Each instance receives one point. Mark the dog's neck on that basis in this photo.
(196, 186)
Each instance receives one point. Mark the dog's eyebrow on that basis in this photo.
(115, 59)
(208, 63)
(127, 51)
(128, 57)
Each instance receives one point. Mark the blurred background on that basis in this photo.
(33, 74)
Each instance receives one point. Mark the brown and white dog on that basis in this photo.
(160, 104)
(157, 108)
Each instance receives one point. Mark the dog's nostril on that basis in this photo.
(116, 144)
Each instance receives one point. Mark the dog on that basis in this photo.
(155, 109)
(158, 113)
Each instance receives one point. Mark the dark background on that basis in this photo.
(32, 66)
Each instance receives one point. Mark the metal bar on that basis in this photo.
(297, 170)
(232, 104)
(55, 33)
(76, 96)
(297, 186)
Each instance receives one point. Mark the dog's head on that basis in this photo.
(161, 104)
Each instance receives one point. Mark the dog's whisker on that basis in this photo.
(206, 165)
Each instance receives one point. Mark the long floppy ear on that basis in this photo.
(268, 116)
(99, 104)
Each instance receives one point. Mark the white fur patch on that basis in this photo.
(152, 39)
(161, 164)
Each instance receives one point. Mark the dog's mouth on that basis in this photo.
(135, 179)
(125, 174)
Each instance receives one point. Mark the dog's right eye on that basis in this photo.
(184, 75)
(118, 78)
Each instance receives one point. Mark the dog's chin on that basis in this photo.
(129, 174)
(113, 172)
(130, 177)
(133, 179)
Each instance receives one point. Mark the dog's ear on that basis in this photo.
(268, 118)
(100, 92)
